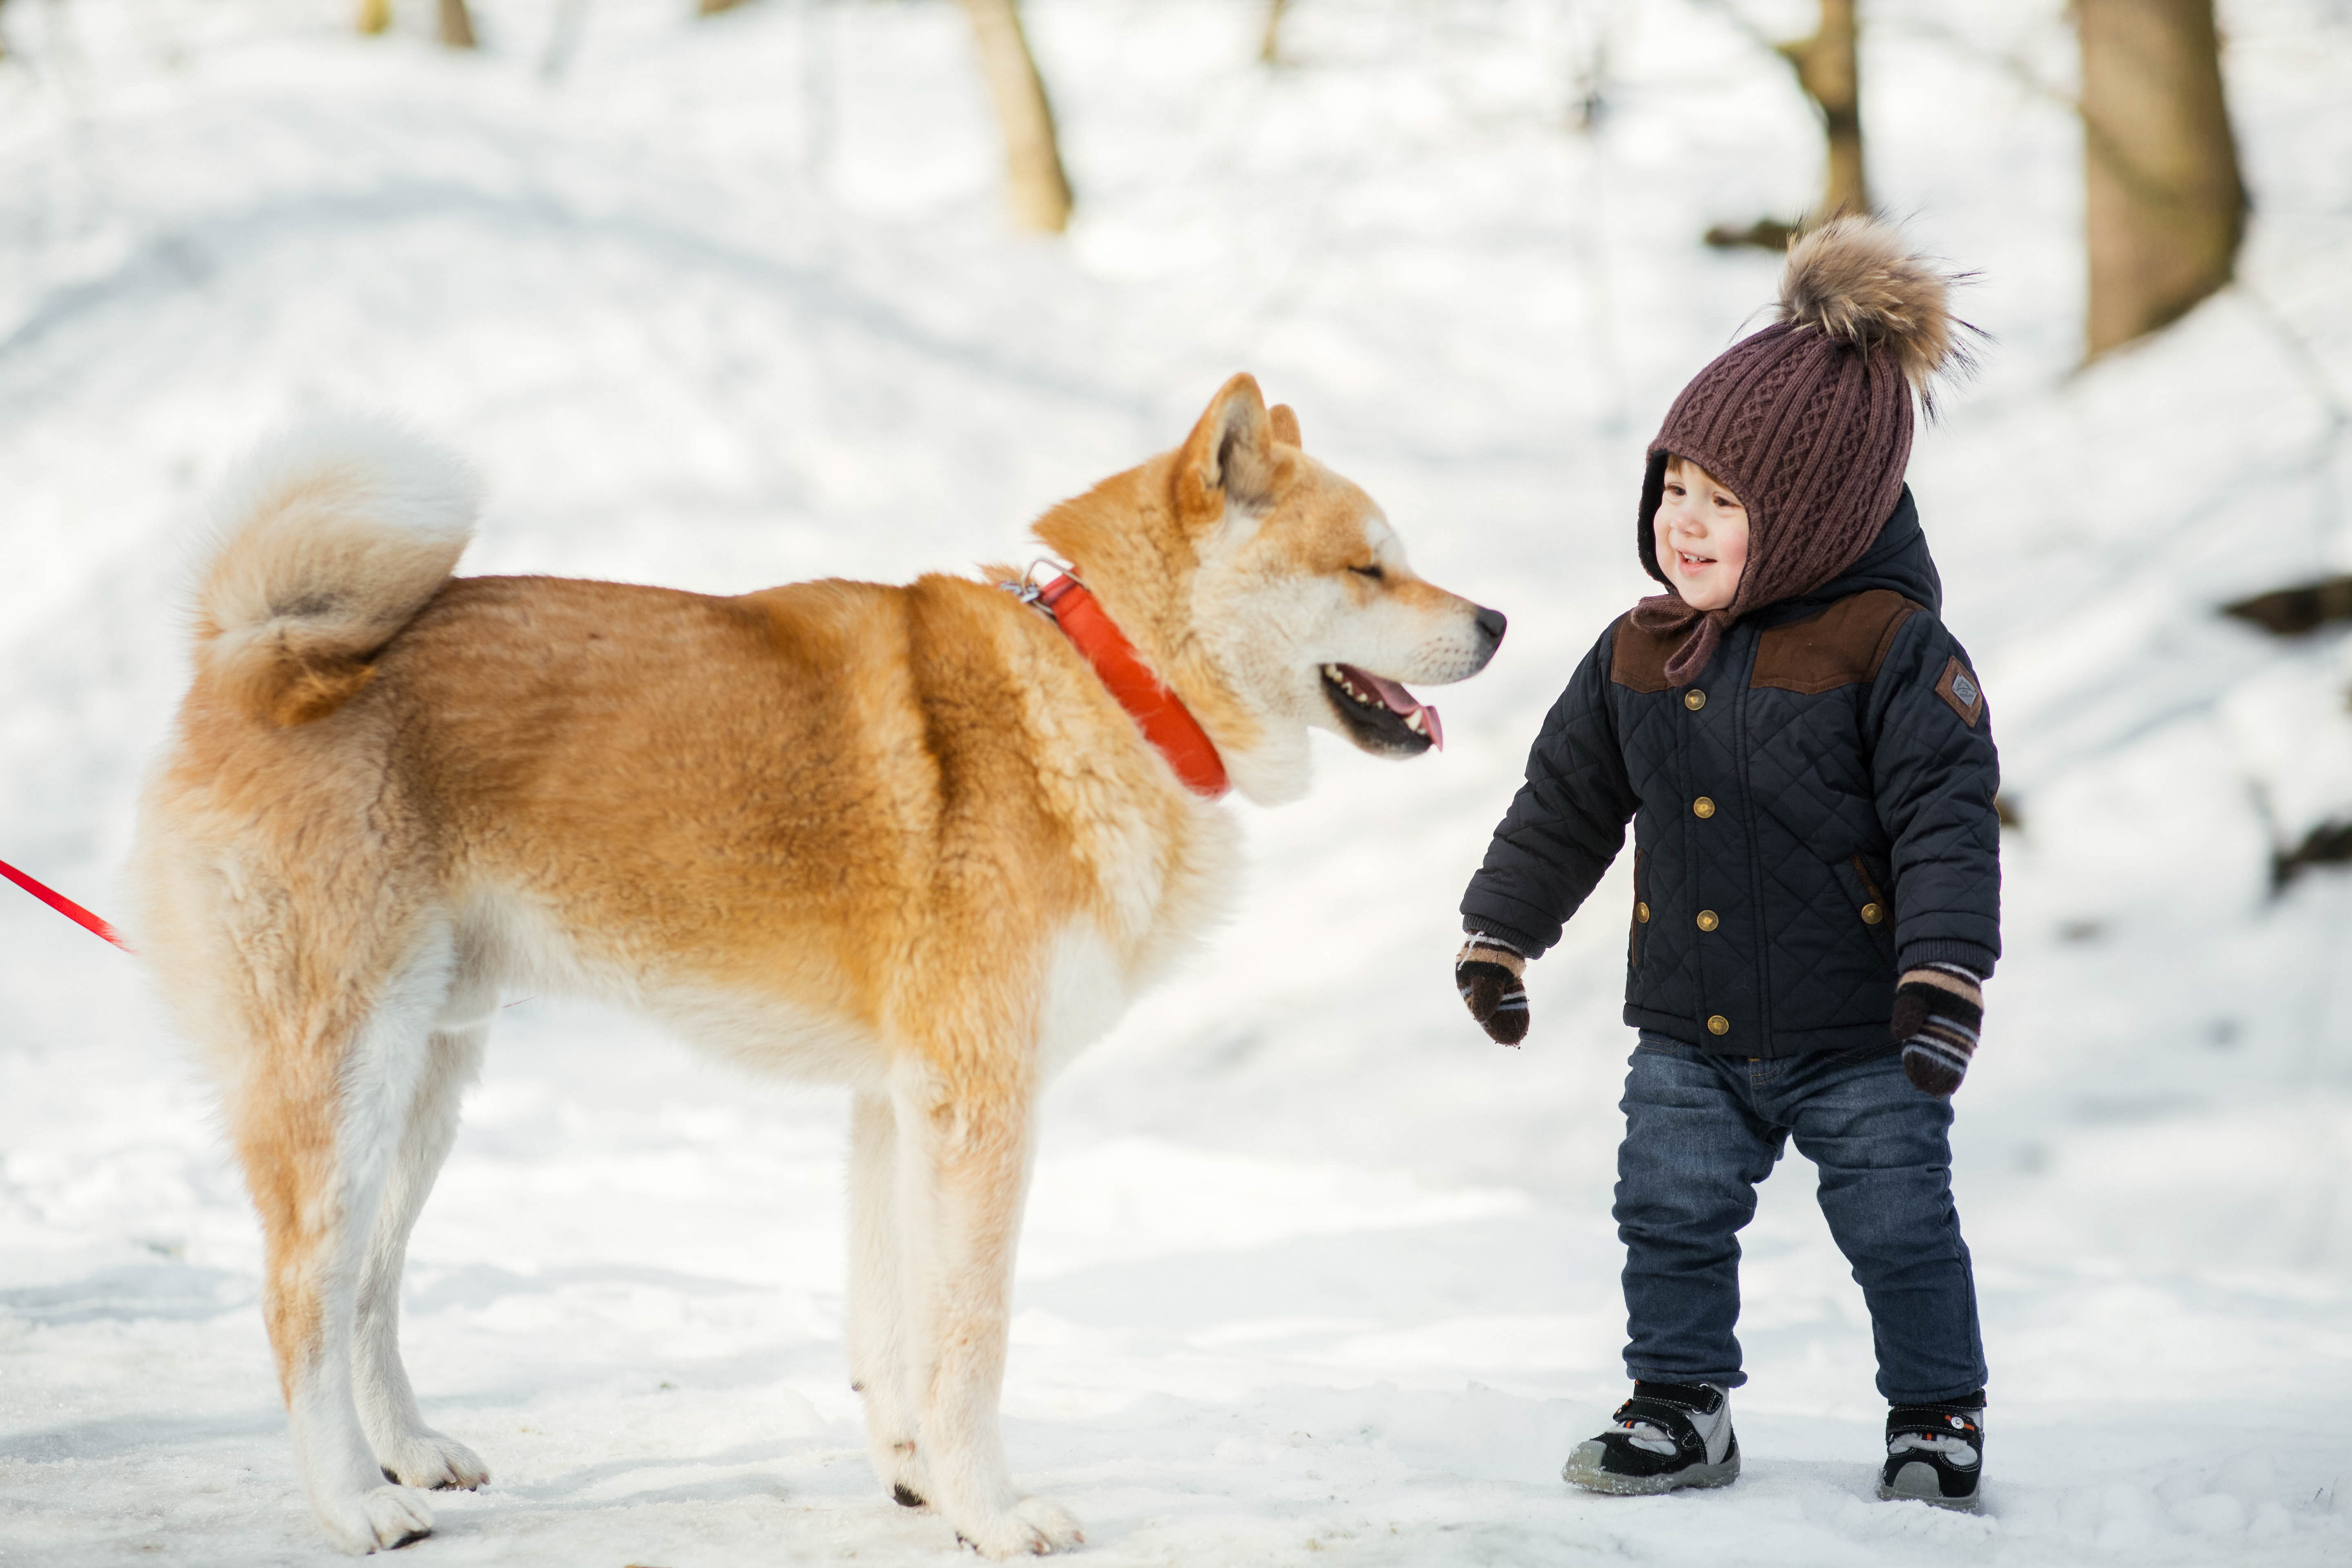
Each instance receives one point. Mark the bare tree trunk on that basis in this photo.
(1033, 155)
(2164, 207)
(456, 25)
(1269, 47)
(1827, 70)
(375, 16)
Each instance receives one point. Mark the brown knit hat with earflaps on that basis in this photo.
(1808, 422)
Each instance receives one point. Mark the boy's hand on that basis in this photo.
(1938, 1008)
(1487, 972)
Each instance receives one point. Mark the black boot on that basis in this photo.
(1934, 1453)
(1668, 1435)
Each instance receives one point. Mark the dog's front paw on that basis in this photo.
(1031, 1526)
(376, 1521)
(425, 1458)
(901, 1470)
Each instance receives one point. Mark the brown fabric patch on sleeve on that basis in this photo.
(1959, 688)
(1638, 658)
(1842, 646)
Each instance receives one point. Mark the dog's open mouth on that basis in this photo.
(1379, 715)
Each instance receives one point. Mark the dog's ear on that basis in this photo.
(1284, 424)
(1228, 460)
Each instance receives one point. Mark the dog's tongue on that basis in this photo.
(1403, 704)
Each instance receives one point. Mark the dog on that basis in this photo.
(905, 839)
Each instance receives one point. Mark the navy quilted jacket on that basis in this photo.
(1812, 817)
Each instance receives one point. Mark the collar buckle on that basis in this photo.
(1027, 590)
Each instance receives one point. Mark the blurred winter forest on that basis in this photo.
(724, 294)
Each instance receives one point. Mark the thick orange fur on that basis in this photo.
(899, 837)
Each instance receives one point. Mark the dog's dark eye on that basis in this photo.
(1374, 573)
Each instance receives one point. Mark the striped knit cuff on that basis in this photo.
(1974, 957)
(1519, 926)
(1484, 949)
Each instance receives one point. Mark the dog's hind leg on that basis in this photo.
(961, 1174)
(320, 1118)
(880, 1356)
(409, 1451)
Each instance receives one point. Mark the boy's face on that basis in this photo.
(1702, 536)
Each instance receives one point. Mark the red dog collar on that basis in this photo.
(1166, 722)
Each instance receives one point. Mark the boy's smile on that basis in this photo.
(1701, 534)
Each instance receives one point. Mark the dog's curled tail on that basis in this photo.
(327, 541)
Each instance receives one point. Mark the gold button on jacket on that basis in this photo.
(1703, 807)
(1693, 699)
(1871, 914)
(1641, 913)
(1708, 919)
(1718, 1025)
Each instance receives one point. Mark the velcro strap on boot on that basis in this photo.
(1669, 1407)
(1935, 1421)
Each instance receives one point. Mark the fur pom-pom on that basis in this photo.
(1855, 279)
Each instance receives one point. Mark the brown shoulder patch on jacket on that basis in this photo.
(1638, 660)
(1959, 687)
(1841, 646)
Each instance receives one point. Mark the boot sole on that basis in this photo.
(1594, 1479)
(1897, 1491)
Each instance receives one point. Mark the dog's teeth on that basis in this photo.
(1412, 722)
(1338, 676)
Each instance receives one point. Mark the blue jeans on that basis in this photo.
(1701, 1130)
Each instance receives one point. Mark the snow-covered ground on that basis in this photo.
(1312, 1272)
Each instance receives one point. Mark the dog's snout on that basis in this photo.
(1491, 623)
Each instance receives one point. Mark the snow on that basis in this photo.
(1312, 1273)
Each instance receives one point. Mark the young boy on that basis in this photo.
(1804, 754)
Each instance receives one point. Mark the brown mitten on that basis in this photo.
(1487, 972)
(1938, 1008)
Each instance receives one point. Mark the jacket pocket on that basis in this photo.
(1636, 940)
(1866, 891)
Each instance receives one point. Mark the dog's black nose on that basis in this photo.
(1491, 622)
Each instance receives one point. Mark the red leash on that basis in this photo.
(63, 905)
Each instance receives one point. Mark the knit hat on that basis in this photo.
(1808, 422)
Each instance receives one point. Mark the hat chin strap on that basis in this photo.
(1666, 613)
